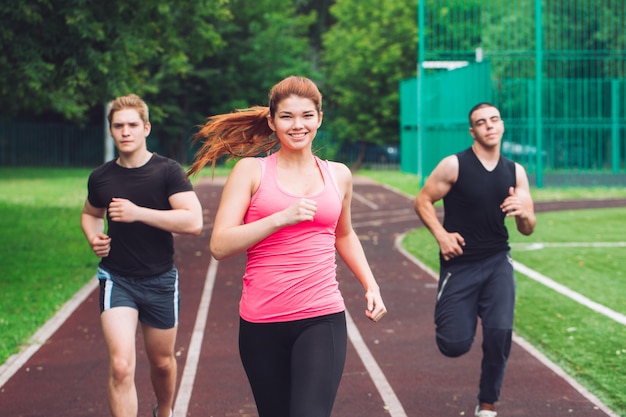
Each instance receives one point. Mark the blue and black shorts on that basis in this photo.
(156, 299)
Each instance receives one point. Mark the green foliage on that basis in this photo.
(267, 41)
(192, 59)
(188, 59)
(264, 41)
(67, 56)
(449, 29)
(370, 48)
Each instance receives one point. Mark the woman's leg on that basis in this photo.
(318, 359)
(265, 353)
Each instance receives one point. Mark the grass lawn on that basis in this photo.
(45, 258)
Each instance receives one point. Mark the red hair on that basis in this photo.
(245, 132)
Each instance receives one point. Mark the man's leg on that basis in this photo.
(456, 308)
(496, 350)
(497, 305)
(160, 345)
(119, 326)
(158, 314)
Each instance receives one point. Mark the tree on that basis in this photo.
(265, 41)
(67, 56)
(370, 48)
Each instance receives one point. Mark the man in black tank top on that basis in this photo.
(479, 188)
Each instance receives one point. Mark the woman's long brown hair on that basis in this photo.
(246, 132)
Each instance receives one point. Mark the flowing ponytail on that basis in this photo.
(246, 132)
(239, 134)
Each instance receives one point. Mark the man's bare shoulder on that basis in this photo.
(448, 168)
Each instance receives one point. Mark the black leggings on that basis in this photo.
(294, 368)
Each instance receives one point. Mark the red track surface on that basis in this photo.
(66, 377)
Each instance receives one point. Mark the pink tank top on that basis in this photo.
(291, 274)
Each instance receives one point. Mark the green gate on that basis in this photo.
(555, 69)
(446, 98)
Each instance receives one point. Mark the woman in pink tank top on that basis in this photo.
(290, 212)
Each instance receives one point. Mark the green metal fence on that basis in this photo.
(66, 145)
(52, 144)
(555, 69)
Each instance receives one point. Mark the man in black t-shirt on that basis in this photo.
(479, 188)
(145, 198)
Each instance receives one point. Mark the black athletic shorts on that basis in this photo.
(155, 298)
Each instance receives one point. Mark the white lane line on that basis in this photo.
(384, 213)
(521, 342)
(15, 362)
(392, 404)
(561, 373)
(365, 201)
(195, 345)
(410, 257)
(379, 222)
(563, 290)
(542, 245)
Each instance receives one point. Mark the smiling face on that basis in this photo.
(295, 122)
(129, 131)
(487, 127)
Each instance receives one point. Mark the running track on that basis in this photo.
(393, 367)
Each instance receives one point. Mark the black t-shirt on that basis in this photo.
(472, 206)
(138, 250)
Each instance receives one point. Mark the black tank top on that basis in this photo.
(472, 206)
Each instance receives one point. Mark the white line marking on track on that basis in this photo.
(563, 290)
(15, 362)
(365, 201)
(561, 373)
(410, 257)
(382, 221)
(394, 407)
(384, 213)
(520, 341)
(195, 345)
(543, 245)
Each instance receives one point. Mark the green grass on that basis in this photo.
(589, 346)
(220, 171)
(45, 260)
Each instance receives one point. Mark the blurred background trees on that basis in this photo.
(63, 60)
